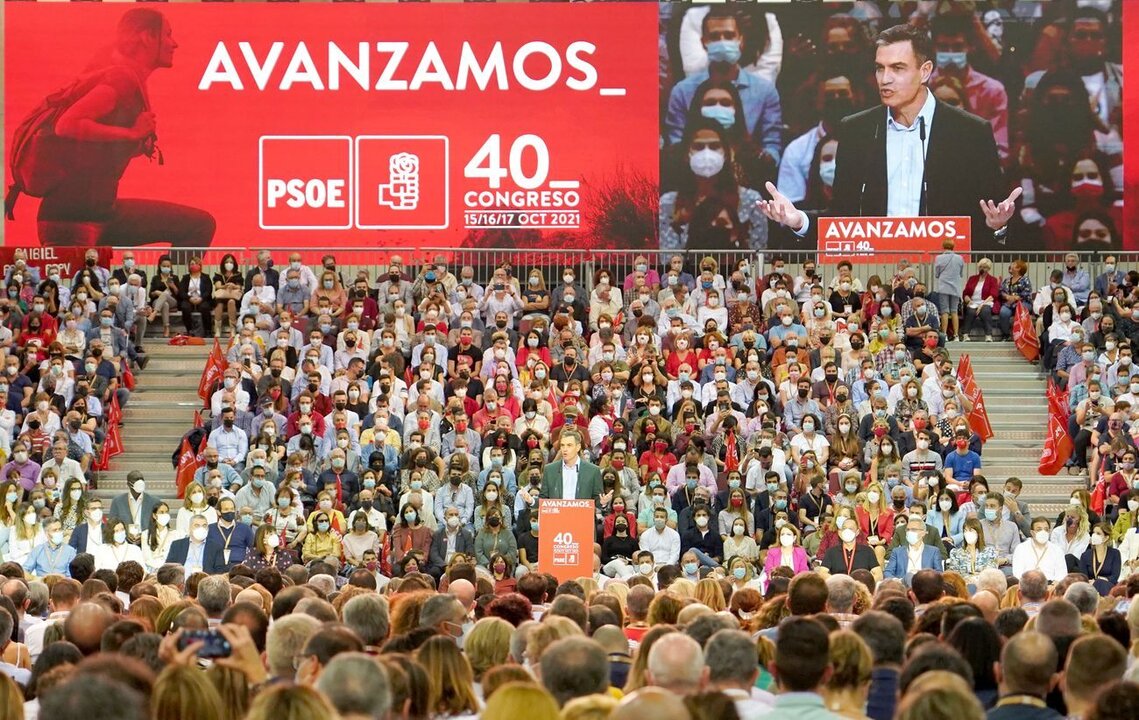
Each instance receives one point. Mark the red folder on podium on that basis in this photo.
(889, 239)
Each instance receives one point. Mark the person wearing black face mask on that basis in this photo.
(621, 544)
(228, 540)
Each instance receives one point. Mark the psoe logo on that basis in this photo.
(402, 192)
(402, 182)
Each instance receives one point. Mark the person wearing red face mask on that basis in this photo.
(658, 459)
(961, 463)
(619, 510)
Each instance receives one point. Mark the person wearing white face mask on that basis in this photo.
(661, 540)
(789, 553)
(88, 535)
(135, 506)
(710, 170)
(156, 540)
(192, 552)
(1038, 552)
(914, 555)
(115, 547)
(1100, 562)
(52, 556)
(850, 554)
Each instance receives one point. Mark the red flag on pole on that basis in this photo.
(198, 419)
(1024, 334)
(215, 366)
(979, 415)
(103, 460)
(112, 444)
(189, 460)
(1058, 444)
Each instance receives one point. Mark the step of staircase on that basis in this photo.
(160, 411)
(1016, 400)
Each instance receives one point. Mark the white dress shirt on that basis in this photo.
(569, 480)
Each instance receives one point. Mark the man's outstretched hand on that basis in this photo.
(997, 215)
(780, 209)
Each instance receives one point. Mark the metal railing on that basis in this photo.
(372, 262)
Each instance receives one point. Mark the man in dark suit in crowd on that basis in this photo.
(196, 552)
(912, 155)
(135, 506)
(571, 476)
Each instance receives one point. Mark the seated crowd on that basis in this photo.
(757, 446)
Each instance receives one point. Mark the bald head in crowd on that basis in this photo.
(84, 627)
(1028, 665)
(676, 663)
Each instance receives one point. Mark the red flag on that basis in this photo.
(189, 460)
(112, 444)
(215, 366)
(103, 461)
(128, 378)
(198, 419)
(978, 416)
(114, 412)
(1024, 334)
(1058, 444)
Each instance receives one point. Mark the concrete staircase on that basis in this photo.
(160, 411)
(1018, 411)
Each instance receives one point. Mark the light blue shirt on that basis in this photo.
(46, 560)
(231, 444)
(796, 164)
(195, 556)
(905, 159)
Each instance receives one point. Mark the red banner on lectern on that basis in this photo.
(875, 239)
(565, 538)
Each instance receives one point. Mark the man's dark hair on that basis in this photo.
(600, 616)
(575, 667)
(362, 577)
(1010, 621)
(286, 600)
(934, 656)
(572, 608)
(718, 12)
(271, 579)
(801, 654)
(883, 634)
(955, 614)
(462, 571)
(144, 648)
(917, 37)
(807, 594)
(93, 698)
(704, 627)
(666, 574)
(532, 586)
(927, 586)
(571, 587)
(331, 640)
(117, 634)
(901, 608)
(82, 566)
(251, 616)
(108, 577)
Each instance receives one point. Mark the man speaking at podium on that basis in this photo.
(913, 155)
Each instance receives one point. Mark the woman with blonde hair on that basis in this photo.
(487, 645)
(683, 588)
(289, 702)
(194, 504)
(551, 630)
(184, 692)
(939, 695)
(503, 675)
(590, 707)
(452, 682)
(709, 593)
(636, 679)
(1073, 535)
(232, 687)
(518, 700)
(875, 519)
(846, 691)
